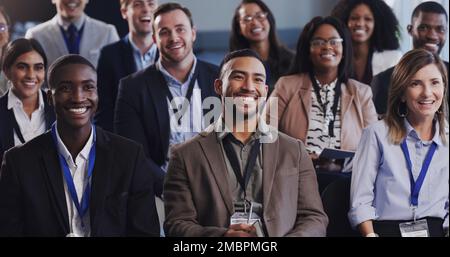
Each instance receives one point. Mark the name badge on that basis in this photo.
(417, 228)
(243, 218)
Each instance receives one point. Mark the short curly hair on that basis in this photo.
(387, 30)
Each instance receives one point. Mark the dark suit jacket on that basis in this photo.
(7, 119)
(32, 198)
(380, 88)
(116, 61)
(142, 113)
(198, 200)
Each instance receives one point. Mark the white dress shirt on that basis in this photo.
(29, 127)
(78, 169)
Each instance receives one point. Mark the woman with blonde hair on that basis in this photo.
(401, 170)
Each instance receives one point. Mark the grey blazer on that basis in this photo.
(198, 200)
(96, 34)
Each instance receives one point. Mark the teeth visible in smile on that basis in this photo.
(431, 45)
(426, 102)
(176, 46)
(72, 5)
(146, 19)
(257, 30)
(78, 110)
(360, 31)
(326, 56)
(30, 83)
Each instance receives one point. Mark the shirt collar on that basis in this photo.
(14, 101)
(412, 133)
(65, 25)
(222, 129)
(136, 49)
(84, 153)
(172, 80)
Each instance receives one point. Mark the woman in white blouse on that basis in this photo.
(401, 171)
(24, 112)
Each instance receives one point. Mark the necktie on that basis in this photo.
(72, 39)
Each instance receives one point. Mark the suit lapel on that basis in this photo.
(346, 101)
(59, 45)
(155, 84)
(7, 137)
(211, 148)
(305, 94)
(100, 179)
(54, 177)
(270, 158)
(128, 57)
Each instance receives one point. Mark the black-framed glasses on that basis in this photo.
(3, 27)
(319, 42)
(260, 16)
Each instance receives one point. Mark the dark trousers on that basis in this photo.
(390, 228)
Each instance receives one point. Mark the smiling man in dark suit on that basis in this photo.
(76, 179)
(143, 112)
(134, 52)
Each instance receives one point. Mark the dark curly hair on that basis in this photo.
(238, 41)
(386, 32)
(302, 62)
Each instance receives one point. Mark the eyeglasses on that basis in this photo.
(3, 27)
(318, 42)
(260, 16)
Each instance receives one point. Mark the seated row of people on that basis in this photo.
(325, 41)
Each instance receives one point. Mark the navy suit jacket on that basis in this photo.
(142, 113)
(32, 197)
(116, 61)
(7, 120)
(380, 88)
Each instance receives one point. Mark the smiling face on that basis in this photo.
(243, 81)
(4, 32)
(253, 23)
(174, 36)
(138, 14)
(361, 23)
(70, 10)
(428, 31)
(74, 95)
(424, 94)
(326, 58)
(27, 74)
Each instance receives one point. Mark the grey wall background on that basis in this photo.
(212, 15)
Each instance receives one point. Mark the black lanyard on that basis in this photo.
(337, 95)
(16, 127)
(183, 108)
(231, 155)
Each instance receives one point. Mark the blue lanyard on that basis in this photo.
(84, 206)
(417, 185)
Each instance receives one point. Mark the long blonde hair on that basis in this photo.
(404, 71)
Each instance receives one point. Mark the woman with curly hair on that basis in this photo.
(253, 26)
(375, 36)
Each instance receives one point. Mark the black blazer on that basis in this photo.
(33, 202)
(142, 113)
(7, 120)
(380, 89)
(116, 61)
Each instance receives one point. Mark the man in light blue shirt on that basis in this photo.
(135, 52)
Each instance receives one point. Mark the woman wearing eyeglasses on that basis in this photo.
(401, 169)
(253, 26)
(318, 103)
(375, 35)
(4, 39)
(24, 112)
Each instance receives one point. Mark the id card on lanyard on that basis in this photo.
(416, 228)
(83, 205)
